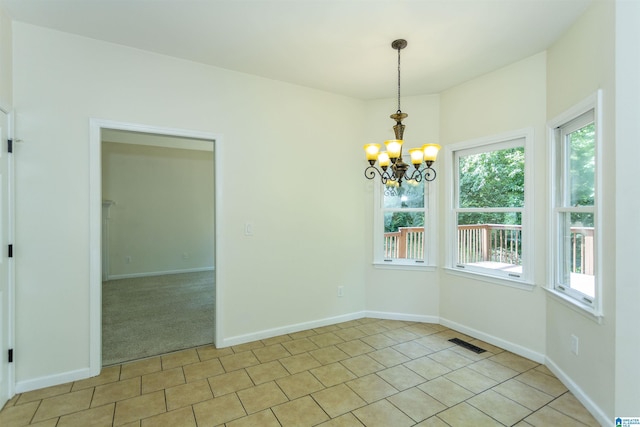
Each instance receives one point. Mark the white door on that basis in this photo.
(4, 262)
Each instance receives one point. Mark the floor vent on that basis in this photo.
(467, 345)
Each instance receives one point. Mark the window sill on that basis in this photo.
(403, 266)
(496, 280)
(575, 305)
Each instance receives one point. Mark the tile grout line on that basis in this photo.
(374, 330)
(529, 385)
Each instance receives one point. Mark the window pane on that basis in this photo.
(492, 179)
(577, 252)
(491, 240)
(581, 154)
(409, 195)
(404, 235)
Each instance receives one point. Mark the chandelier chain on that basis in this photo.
(399, 110)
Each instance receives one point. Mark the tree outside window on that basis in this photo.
(489, 206)
(575, 208)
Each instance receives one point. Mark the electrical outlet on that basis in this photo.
(248, 229)
(574, 344)
(340, 291)
(185, 255)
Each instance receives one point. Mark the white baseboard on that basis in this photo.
(158, 273)
(268, 333)
(586, 401)
(402, 316)
(499, 342)
(274, 332)
(597, 412)
(51, 380)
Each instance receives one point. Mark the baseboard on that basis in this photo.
(158, 273)
(586, 401)
(51, 380)
(499, 342)
(589, 404)
(268, 333)
(402, 316)
(297, 327)
(595, 410)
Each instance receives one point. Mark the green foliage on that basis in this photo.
(395, 220)
(491, 180)
(581, 153)
(582, 166)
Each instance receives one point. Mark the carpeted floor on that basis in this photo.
(147, 316)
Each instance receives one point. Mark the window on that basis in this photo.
(402, 222)
(489, 232)
(574, 201)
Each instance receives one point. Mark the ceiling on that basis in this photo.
(341, 46)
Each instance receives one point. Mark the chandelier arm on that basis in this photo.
(370, 172)
(429, 173)
(416, 175)
(385, 175)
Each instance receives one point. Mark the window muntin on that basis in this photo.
(400, 224)
(574, 209)
(489, 208)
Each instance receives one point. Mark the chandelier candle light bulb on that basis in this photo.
(399, 169)
(383, 160)
(417, 156)
(372, 151)
(430, 153)
(394, 148)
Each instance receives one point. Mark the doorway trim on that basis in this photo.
(8, 322)
(95, 223)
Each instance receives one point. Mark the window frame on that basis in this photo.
(428, 262)
(500, 141)
(571, 119)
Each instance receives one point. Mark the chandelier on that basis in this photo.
(392, 169)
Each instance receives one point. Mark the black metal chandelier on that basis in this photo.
(393, 170)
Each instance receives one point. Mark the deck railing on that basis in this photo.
(407, 242)
(582, 250)
(488, 242)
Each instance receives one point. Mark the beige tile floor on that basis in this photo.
(364, 372)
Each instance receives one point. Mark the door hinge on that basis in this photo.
(10, 251)
(10, 355)
(10, 145)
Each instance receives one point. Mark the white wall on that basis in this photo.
(579, 64)
(394, 290)
(505, 100)
(6, 61)
(627, 375)
(272, 155)
(163, 216)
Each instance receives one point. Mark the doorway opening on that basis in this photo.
(153, 279)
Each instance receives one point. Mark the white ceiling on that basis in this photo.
(341, 46)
